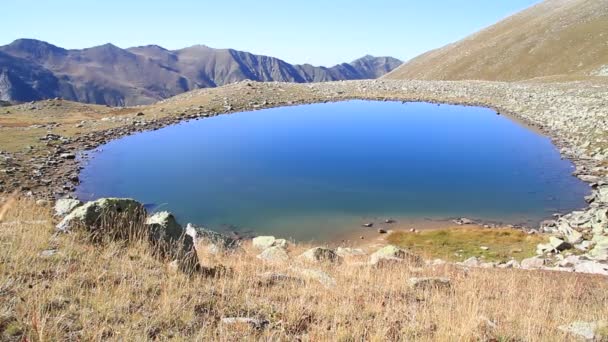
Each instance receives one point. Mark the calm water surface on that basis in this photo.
(320, 171)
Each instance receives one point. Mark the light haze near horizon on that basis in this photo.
(316, 32)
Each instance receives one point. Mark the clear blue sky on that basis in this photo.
(320, 32)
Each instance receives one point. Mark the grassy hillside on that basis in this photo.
(565, 38)
(63, 287)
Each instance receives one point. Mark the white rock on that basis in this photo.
(274, 254)
(65, 206)
(533, 263)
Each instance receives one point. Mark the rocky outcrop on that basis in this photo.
(65, 206)
(113, 217)
(163, 226)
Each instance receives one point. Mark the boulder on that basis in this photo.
(569, 234)
(321, 254)
(509, 264)
(601, 194)
(317, 275)
(428, 283)
(274, 254)
(163, 226)
(272, 278)
(600, 250)
(559, 244)
(263, 242)
(533, 263)
(591, 267)
(570, 261)
(391, 252)
(65, 206)
(583, 330)
(118, 217)
(208, 241)
(471, 262)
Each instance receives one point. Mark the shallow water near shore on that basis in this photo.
(317, 172)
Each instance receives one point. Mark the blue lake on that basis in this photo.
(318, 172)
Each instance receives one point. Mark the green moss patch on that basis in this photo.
(457, 244)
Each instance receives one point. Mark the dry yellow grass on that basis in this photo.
(555, 40)
(119, 291)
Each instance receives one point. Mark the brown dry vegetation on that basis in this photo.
(119, 291)
(556, 40)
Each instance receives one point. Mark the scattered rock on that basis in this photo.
(463, 221)
(471, 262)
(48, 253)
(274, 254)
(258, 324)
(208, 241)
(317, 275)
(321, 254)
(263, 242)
(583, 330)
(391, 254)
(272, 278)
(533, 263)
(67, 156)
(591, 267)
(428, 283)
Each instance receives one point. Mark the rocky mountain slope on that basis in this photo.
(34, 70)
(556, 39)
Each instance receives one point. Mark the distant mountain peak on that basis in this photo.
(107, 74)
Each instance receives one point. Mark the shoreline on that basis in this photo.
(55, 184)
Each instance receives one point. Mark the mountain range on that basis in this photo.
(34, 70)
(553, 40)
